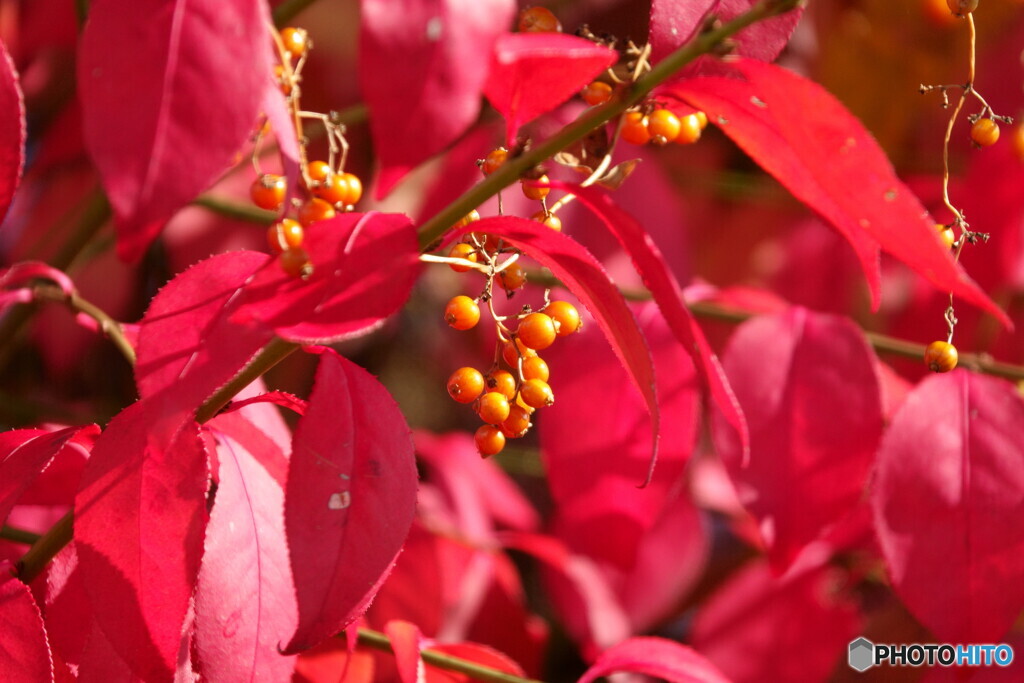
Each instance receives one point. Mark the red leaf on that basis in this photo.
(26, 453)
(751, 619)
(140, 518)
(593, 473)
(350, 497)
(421, 71)
(808, 386)
(245, 602)
(946, 501)
(580, 272)
(655, 657)
(532, 73)
(804, 137)
(673, 23)
(405, 642)
(364, 268)
(24, 652)
(194, 73)
(12, 131)
(668, 295)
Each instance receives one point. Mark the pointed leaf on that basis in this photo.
(808, 387)
(947, 510)
(195, 71)
(580, 272)
(655, 657)
(421, 74)
(24, 651)
(25, 454)
(667, 293)
(532, 73)
(808, 140)
(245, 603)
(12, 131)
(139, 523)
(350, 497)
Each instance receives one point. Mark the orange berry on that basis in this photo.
(512, 350)
(947, 234)
(489, 440)
(502, 382)
(537, 331)
(938, 13)
(596, 93)
(530, 410)
(634, 128)
(333, 189)
(548, 219)
(462, 313)
(465, 385)
(566, 315)
(940, 356)
(463, 251)
(285, 234)
(985, 132)
(702, 119)
(494, 408)
(314, 211)
(318, 171)
(962, 7)
(513, 277)
(663, 126)
(355, 189)
(296, 41)
(296, 263)
(494, 159)
(1018, 141)
(517, 423)
(538, 20)
(536, 393)
(690, 129)
(268, 191)
(470, 217)
(534, 192)
(536, 367)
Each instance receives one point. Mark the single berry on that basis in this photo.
(946, 234)
(566, 315)
(940, 356)
(538, 20)
(494, 408)
(463, 251)
(494, 159)
(663, 126)
(690, 129)
(355, 189)
(536, 393)
(534, 192)
(470, 217)
(702, 119)
(962, 7)
(268, 191)
(333, 189)
(462, 313)
(537, 331)
(536, 367)
(596, 93)
(318, 171)
(465, 385)
(517, 423)
(502, 382)
(634, 128)
(296, 263)
(512, 350)
(296, 41)
(512, 277)
(548, 219)
(985, 132)
(489, 440)
(285, 234)
(314, 211)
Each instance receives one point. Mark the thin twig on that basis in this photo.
(108, 326)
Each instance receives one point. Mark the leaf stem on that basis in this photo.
(45, 548)
(441, 660)
(236, 210)
(108, 326)
(511, 170)
(269, 356)
(17, 535)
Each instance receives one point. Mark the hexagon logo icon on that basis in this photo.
(862, 654)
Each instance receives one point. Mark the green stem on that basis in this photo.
(479, 672)
(46, 548)
(11, 533)
(110, 327)
(513, 169)
(236, 210)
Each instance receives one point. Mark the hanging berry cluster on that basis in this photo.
(325, 188)
(942, 356)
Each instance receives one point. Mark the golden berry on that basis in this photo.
(537, 331)
(566, 315)
(463, 251)
(489, 440)
(985, 132)
(493, 408)
(536, 393)
(465, 385)
(462, 313)
(940, 356)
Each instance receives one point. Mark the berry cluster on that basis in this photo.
(662, 126)
(326, 187)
